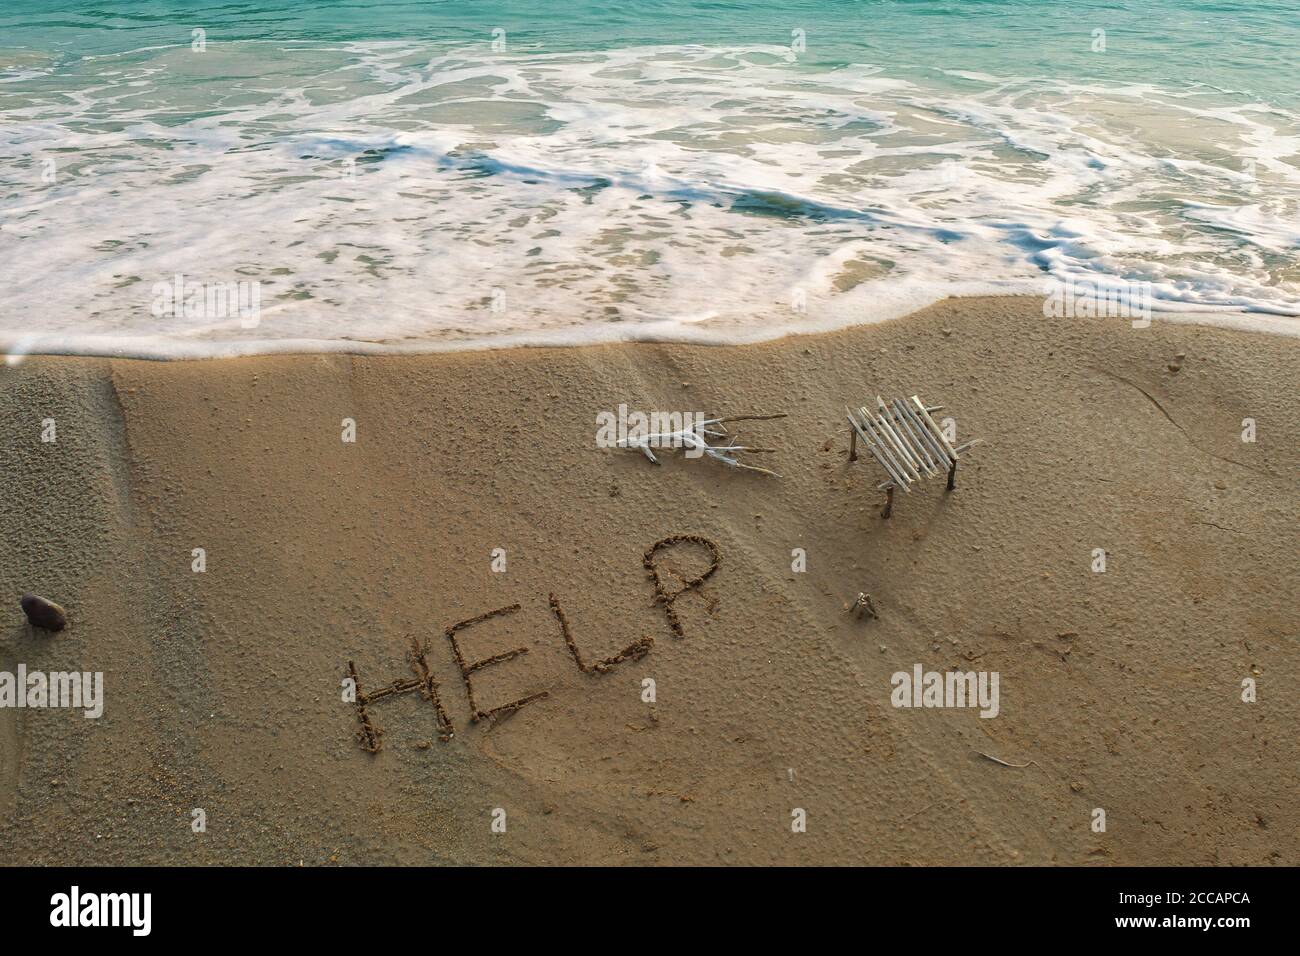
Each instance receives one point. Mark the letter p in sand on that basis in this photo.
(666, 597)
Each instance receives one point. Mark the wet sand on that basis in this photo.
(1119, 690)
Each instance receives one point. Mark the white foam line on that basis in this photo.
(15, 348)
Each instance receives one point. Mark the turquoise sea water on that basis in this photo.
(442, 174)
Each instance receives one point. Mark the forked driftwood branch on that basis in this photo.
(695, 438)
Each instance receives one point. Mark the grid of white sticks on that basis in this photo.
(905, 440)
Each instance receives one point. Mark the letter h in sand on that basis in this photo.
(423, 682)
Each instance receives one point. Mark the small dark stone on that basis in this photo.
(43, 613)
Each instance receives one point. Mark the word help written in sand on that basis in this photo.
(426, 685)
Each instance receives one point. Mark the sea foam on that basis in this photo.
(403, 196)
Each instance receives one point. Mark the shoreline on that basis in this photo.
(16, 348)
(1119, 690)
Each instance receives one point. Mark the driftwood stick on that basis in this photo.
(902, 453)
(752, 418)
(883, 454)
(1007, 763)
(937, 453)
(889, 503)
(952, 452)
(922, 453)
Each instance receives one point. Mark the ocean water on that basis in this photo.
(434, 175)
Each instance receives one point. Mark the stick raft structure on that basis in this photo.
(906, 442)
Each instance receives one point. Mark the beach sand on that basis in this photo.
(1119, 690)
